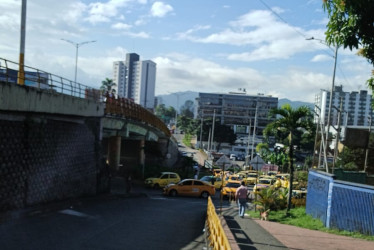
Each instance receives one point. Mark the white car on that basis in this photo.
(232, 157)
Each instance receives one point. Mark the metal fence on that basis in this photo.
(36, 78)
(216, 234)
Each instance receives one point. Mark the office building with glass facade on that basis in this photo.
(243, 113)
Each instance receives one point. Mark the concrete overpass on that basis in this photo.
(55, 135)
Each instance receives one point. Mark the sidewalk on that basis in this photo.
(256, 234)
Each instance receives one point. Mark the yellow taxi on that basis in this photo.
(229, 189)
(263, 183)
(217, 172)
(216, 181)
(163, 180)
(190, 187)
(234, 177)
(251, 178)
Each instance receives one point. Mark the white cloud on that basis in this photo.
(277, 10)
(74, 12)
(188, 34)
(160, 9)
(321, 58)
(121, 26)
(140, 34)
(179, 72)
(103, 12)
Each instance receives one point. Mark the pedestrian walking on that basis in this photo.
(241, 197)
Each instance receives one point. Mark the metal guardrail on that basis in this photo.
(42, 80)
(49, 82)
(127, 108)
(216, 234)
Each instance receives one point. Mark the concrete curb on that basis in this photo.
(230, 237)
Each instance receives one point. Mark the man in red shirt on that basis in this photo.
(241, 197)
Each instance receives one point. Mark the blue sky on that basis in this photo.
(198, 45)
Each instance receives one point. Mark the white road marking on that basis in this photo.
(74, 213)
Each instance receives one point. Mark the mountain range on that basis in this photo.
(178, 99)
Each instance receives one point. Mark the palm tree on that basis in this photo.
(107, 86)
(289, 120)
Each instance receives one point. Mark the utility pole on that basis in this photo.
(330, 103)
(201, 129)
(331, 96)
(254, 132)
(367, 147)
(249, 137)
(315, 138)
(337, 136)
(21, 70)
(214, 121)
(210, 131)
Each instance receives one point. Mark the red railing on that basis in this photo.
(128, 109)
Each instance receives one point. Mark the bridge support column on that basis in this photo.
(142, 155)
(114, 152)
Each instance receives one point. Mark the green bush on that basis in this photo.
(271, 198)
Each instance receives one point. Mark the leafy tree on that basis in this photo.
(351, 25)
(187, 124)
(262, 149)
(107, 86)
(222, 133)
(187, 109)
(164, 113)
(289, 120)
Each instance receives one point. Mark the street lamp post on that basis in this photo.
(77, 45)
(176, 111)
(331, 93)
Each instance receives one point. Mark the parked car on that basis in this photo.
(263, 183)
(251, 178)
(213, 179)
(229, 189)
(163, 180)
(234, 177)
(190, 187)
(240, 157)
(232, 157)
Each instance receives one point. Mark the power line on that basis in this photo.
(277, 15)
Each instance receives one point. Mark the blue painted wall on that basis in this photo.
(338, 204)
(317, 196)
(352, 207)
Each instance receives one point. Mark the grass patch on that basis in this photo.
(187, 140)
(299, 218)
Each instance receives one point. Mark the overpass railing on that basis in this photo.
(32, 77)
(128, 109)
(36, 78)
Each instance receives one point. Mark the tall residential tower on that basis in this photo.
(136, 80)
(356, 104)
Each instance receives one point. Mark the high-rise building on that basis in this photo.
(136, 80)
(237, 110)
(356, 104)
(247, 115)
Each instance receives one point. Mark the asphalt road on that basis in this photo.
(149, 221)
